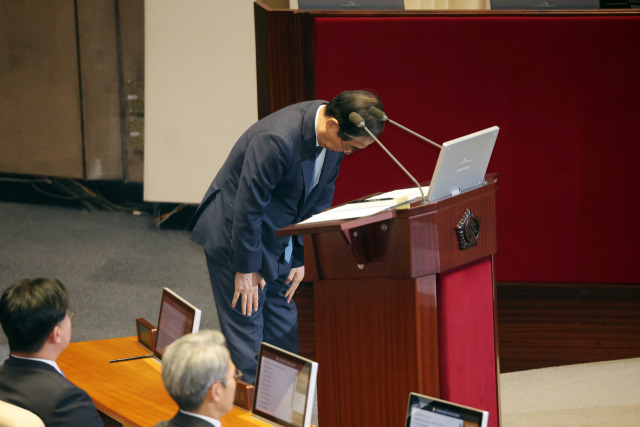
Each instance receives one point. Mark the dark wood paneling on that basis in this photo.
(284, 58)
(364, 345)
(40, 122)
(306, 320)
(66, 64)
(100, 89)
(542, 325)
(131, 33)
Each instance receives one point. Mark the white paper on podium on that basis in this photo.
(369, 206)
(411, 193)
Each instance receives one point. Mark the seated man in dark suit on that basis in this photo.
(199, 375)
(36, 319)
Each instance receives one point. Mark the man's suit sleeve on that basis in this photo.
(267, 157)
(75, 408)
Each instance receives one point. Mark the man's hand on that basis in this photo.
(247, 287)
(295, 277)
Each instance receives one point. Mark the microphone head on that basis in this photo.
(356, 119)
(378, 114)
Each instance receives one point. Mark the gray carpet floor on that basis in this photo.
(113, 264)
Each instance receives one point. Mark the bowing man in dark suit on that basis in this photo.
(200, 376)
(35, 317)
(281, 171)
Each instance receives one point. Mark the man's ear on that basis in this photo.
(332, 123)
(55, 336)
(214, 394)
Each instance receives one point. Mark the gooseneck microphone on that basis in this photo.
(357, 120)
(380, 115)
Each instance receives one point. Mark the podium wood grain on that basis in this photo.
(386, 296)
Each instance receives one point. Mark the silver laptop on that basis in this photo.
(462, 164)
(425, 411)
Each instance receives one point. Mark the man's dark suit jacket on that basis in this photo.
(39, 388)
(265, 185)
(182, 420)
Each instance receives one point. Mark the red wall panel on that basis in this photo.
(565, 93)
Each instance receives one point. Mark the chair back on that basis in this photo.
(15, 416)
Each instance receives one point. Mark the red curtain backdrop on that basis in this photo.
(565, 92)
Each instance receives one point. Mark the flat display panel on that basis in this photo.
(462, 164)
(146, 333)
(177, 317)
(425, 411)
(285, 387)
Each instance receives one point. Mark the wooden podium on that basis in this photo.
(403, 301)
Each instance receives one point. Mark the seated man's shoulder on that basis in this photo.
(73, 406)
(46, 392)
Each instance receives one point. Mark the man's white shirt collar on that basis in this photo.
(47, 361)
(213, 421)
(320, 158)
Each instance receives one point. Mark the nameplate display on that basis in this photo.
(146, 333)
(244, 395)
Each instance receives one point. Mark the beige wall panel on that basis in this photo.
(100, 89)
(200, 92)
(40, 126)
(131, 14)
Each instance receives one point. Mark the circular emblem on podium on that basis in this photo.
(468, 230)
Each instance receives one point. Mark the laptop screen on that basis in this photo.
(462, 164)
(285, 387)
(425, 411)
(177, 318)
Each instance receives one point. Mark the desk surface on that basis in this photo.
(130, 392)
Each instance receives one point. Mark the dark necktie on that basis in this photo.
(289, 249)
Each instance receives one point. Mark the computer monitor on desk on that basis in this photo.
(177, 317)
(285, 387)
(425, 411)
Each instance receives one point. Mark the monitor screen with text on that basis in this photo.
(425, 411)
(177, 317)
(285, 387)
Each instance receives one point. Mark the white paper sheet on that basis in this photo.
(369, 206)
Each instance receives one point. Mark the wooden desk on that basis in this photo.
(130, 392)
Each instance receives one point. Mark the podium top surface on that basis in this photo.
(415, 208)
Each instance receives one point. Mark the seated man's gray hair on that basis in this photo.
(192, 364)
